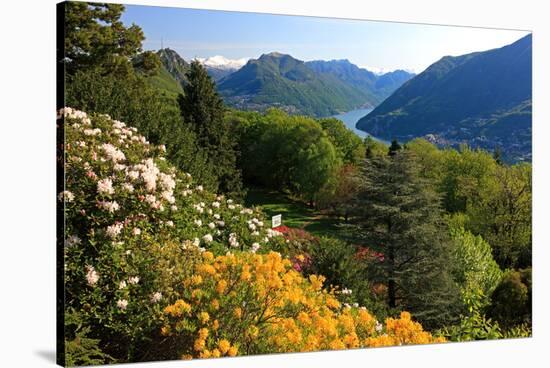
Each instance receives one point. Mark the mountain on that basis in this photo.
(482, 98)
(376, 87)
(219, 66)
(174, 64)
(319, 88)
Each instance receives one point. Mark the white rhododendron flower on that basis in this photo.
(198, 223)
(136, 231)
(122, 304)
(212, 225)
(255, 247)
(111, 207)
(208, 238)
(128, 187)
(196, 242)
(113, 153)
(233, 240)
(133, 280)
(72, 240)
(170, 223)
(91, 275)
(216, 204)
(200, 188)
(114, 230)
(156, 297)
(105, 186)
(217, 216)
(122, 285)
(66, 196)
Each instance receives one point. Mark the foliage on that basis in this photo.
(454, 101)
(128, 211)
(338, 193)
(494, 199)
(348, 145)
(476, 326)
(203, 111)
(96, 38)
(503, 217)
(475, 270)
(399, 214)
(285, 152)
(249, 304)
(374, 148)
(344, 270)
(130, 98)
(511, 300)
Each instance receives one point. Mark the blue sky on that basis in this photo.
(374, 45)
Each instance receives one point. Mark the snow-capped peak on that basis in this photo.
(222, 62)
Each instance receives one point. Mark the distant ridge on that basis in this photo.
(482, 99)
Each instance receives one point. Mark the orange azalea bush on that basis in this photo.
(241, 304)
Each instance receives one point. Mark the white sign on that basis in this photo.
(276, 221)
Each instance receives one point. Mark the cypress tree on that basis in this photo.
(202, 108)
(399, 214)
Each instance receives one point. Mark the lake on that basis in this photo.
(350, 118)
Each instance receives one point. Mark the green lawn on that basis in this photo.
(295, 213)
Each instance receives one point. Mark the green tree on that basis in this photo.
(394, 148)
(203, 110)
(474, 269)
(95, 37)
(503, 216)
(348, 145)
(399, 214)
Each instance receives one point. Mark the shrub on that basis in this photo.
(127, 212)
(511, 300)
(142, 242)
(248, 304)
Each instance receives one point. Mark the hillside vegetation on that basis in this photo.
(483, 99)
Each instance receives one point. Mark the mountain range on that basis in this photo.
(482, 99)
(318, 88)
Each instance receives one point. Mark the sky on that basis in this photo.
(377, 46)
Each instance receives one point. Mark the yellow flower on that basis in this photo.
(238, 312)
(222, 285)
(199, 344)
(208, 256)
(203, 333)
(215, 304)
(232, 351)
(215, 324)
(224, 346)
(186, 357)
(204, 317)
(196, 279)
(216, 353)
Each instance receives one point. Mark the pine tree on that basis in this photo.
(394, 148)
(203, 109)
(399, 215)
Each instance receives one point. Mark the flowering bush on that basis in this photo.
(158, 267)
(249, 303)
(126, 207)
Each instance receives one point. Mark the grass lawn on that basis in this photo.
(295, 213)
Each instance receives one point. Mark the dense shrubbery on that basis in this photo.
(137, 235)
(295, 153)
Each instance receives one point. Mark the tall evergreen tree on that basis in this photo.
(203, 109)
(394, 148)
(399, 214)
